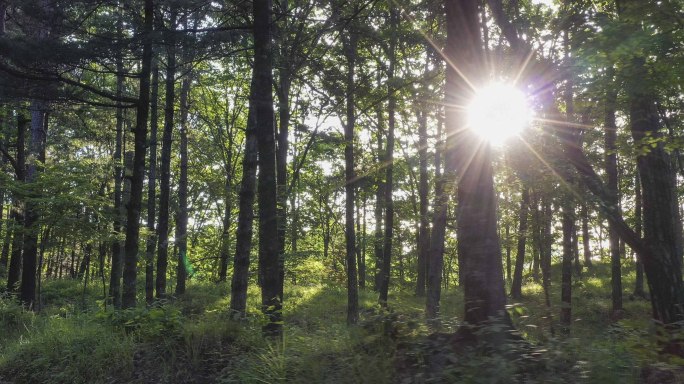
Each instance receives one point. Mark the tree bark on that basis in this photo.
(437, 235)
(379, 201)
(243, 246)
(586, 237)
(165, 165)
(350, 45)
(269, 258)
(183, 266)
(152, 187)
(36, 156)
(478, 238)
(14, 271)
(568, 224)
(516, 285)
(612, 187)
(117, 247)
(389, 159)
(128, 299)
(423, 232)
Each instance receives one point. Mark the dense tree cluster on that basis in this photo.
(304, 141)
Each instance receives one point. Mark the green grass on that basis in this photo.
(191, 339)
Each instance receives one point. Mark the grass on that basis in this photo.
(192, 340)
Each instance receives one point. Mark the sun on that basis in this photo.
(498, 111)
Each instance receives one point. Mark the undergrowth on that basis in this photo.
(75, 339)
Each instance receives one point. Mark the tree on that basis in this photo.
(140, 142)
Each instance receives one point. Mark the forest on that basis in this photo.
(341, 191)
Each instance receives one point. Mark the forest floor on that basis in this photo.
(191, 340)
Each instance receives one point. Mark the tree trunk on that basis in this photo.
(152, 187)
(389, 159)
(379, 201)
(516, 285)
(437, 235)
(36, 158)
(585, 237)
(128, 299)
(184, 267)
(165, 164)
(423, 232)
(269, 258)
(568, 224)
(15, 261)
(350, 44)
(639, 280)
(478, 238)
(227, 216)
(612, 187)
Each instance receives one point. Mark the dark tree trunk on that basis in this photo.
(612, 187)
(15, 261)
(31, 226)
(128, 299)
(659, 199)
(478, 238)
(361, 250)
(546, 241)
(350, 44)
(516, 285)
(227, 216)
(586, 237)
(389, 159)
(639, 280)
(507, 232)
(439, 217)
(184, 266)
(165, 164)
(269, 258)
(243, 245)
(568, 224)
(379, 202)
(424, 231)
(117, 246)
(152, 187)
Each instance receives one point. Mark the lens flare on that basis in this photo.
(498, 112)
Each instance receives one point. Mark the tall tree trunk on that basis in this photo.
(128, 299)
(424, 231)
(117, 246)
(350, 44)
(439, 217)
(478, 238)
(269, 258)
(284, 86)
(516, 285)
(639, 280)
(152, 187)
(36, 156)
(612, 186)
(243, 245)
(379, 199)
(15, 261)
(184, 266)
(546, 241)
(389, 159)
(165, 164)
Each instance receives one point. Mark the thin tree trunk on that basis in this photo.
(437, 235)
(639, 280)
(568, 223)
(165, 164)
(350, 44)
(612, 186)
(516, 285)
(423, 232)
(128, 299)
(227, 216)
(389, 158)
(586, 237)
(184, 266)
(15, 261)
(152, 187)
(379, 201)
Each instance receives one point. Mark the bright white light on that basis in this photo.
(498, 112)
